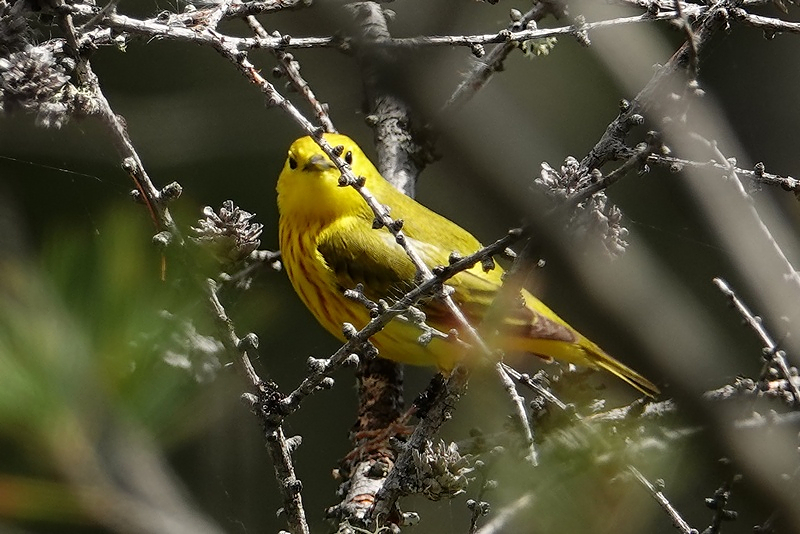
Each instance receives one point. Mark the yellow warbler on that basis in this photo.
(328, 245)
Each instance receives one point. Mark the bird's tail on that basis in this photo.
(600, 359)
(545, 334)
(581, 351)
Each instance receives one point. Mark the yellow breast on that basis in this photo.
(315, 283)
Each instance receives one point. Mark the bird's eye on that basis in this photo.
(292, 163)
(348, 158)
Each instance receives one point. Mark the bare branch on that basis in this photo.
(770, 25)
(280, 449)
(288, 66)
(429, 426)
(718, 502)
(613, 139)
(217, 12)
(757, 174)
(674, 515)
(772, 353)
(480, 75)
(131, 162)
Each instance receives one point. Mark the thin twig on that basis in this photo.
(634, 161)
(772, 351)
(440, 412)
(682, 20)
(718, 503)
(758, 174)
(217, 12)
(480, 75)
(770, 25)
(256, 260)
(538, 388)
(791, 273)
(155, 28)
(289, 66)
(131, 162)
(280, 449)
(506, 36)
(674, 515)
(630, 114)
(183, 27)
(231, 341)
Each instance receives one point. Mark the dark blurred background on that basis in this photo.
(88, 276)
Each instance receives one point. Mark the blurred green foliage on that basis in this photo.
(72, 360)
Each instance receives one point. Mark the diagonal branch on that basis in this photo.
(480, 75)
(674, 515)
(280, 449)
(772, 352)
(614, 137)
(291, 68)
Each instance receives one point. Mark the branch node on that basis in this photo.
(162, 239)
(352, 360)
(293, 443)
(294, 486)
(317, 365)
(250, 400)
(326, 383)
(396, 225)
(479, 507)
(129, 165)
(635, 120)
(410, 519)
(248, 343)
(349, 331)
(170, 192)
(581, 33)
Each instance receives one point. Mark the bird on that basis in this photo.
(329, 245)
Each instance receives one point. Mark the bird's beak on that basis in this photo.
(318, 162)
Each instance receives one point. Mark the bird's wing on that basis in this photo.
(357, 254)
(523, 318)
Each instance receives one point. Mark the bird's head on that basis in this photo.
(308, 186)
